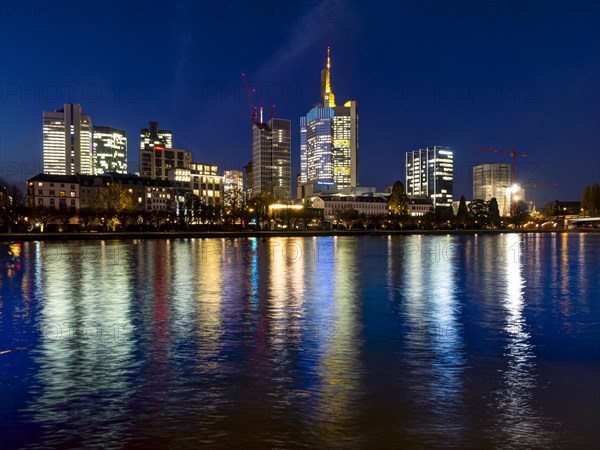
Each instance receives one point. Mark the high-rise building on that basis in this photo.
(329, 139)
(67, 141)
(494, 181)
(157, 155)
(430, 172)
(151, 136)
(110, 150)
(271, 159)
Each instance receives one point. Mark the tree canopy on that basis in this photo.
(398, 203)
(590, 202)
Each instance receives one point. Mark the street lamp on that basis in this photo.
(512, 190)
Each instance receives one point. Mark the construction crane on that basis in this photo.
(253, 111)
(253, 93)
(512, 153)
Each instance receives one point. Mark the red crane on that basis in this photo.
(253, 93)
(253, 111)
(512, 153)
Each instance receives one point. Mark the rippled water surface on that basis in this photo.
(412, 341)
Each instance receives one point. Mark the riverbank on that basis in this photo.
(84, 236)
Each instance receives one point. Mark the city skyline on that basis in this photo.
(203, 245)
(543, 108)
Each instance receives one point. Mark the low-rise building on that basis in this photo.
(333, 205)
(54, 191)
(420, 205)
(80, 191)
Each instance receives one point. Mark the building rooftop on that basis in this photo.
(419, 200)
(91, 180)
(55, 178)
(353, 198)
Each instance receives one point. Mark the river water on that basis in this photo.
(411, 341)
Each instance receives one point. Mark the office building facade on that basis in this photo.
(110, 150)
(271, 159)
(152, 136)
(67, 141)
(430, 172)
(157, 162)
(199, 179)
(157, 155)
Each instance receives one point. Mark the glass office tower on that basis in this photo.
(67, 141)
(430, 172)
(110, 150)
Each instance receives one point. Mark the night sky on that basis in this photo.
(501, 75)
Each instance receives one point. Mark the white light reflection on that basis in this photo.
(518, 424)
(83, 356)
(434, 342)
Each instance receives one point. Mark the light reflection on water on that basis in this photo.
(333, 341)
(518, 423)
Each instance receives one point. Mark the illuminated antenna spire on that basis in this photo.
(328, 97)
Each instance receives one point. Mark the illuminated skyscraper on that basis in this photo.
(67, 141)
(151, 136)
(494, 181)
(110, 150)
(430, 172)
(271, 159)
(329, 139)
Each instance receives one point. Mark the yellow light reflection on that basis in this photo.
(209, 279)
(339, 365)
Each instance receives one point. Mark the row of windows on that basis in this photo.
(62, 185)
(52, 193)
(361, 205)
(62, 202)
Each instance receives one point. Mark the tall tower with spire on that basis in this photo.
(329, 143)
(326, 92)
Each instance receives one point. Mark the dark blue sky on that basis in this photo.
(502, 75)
